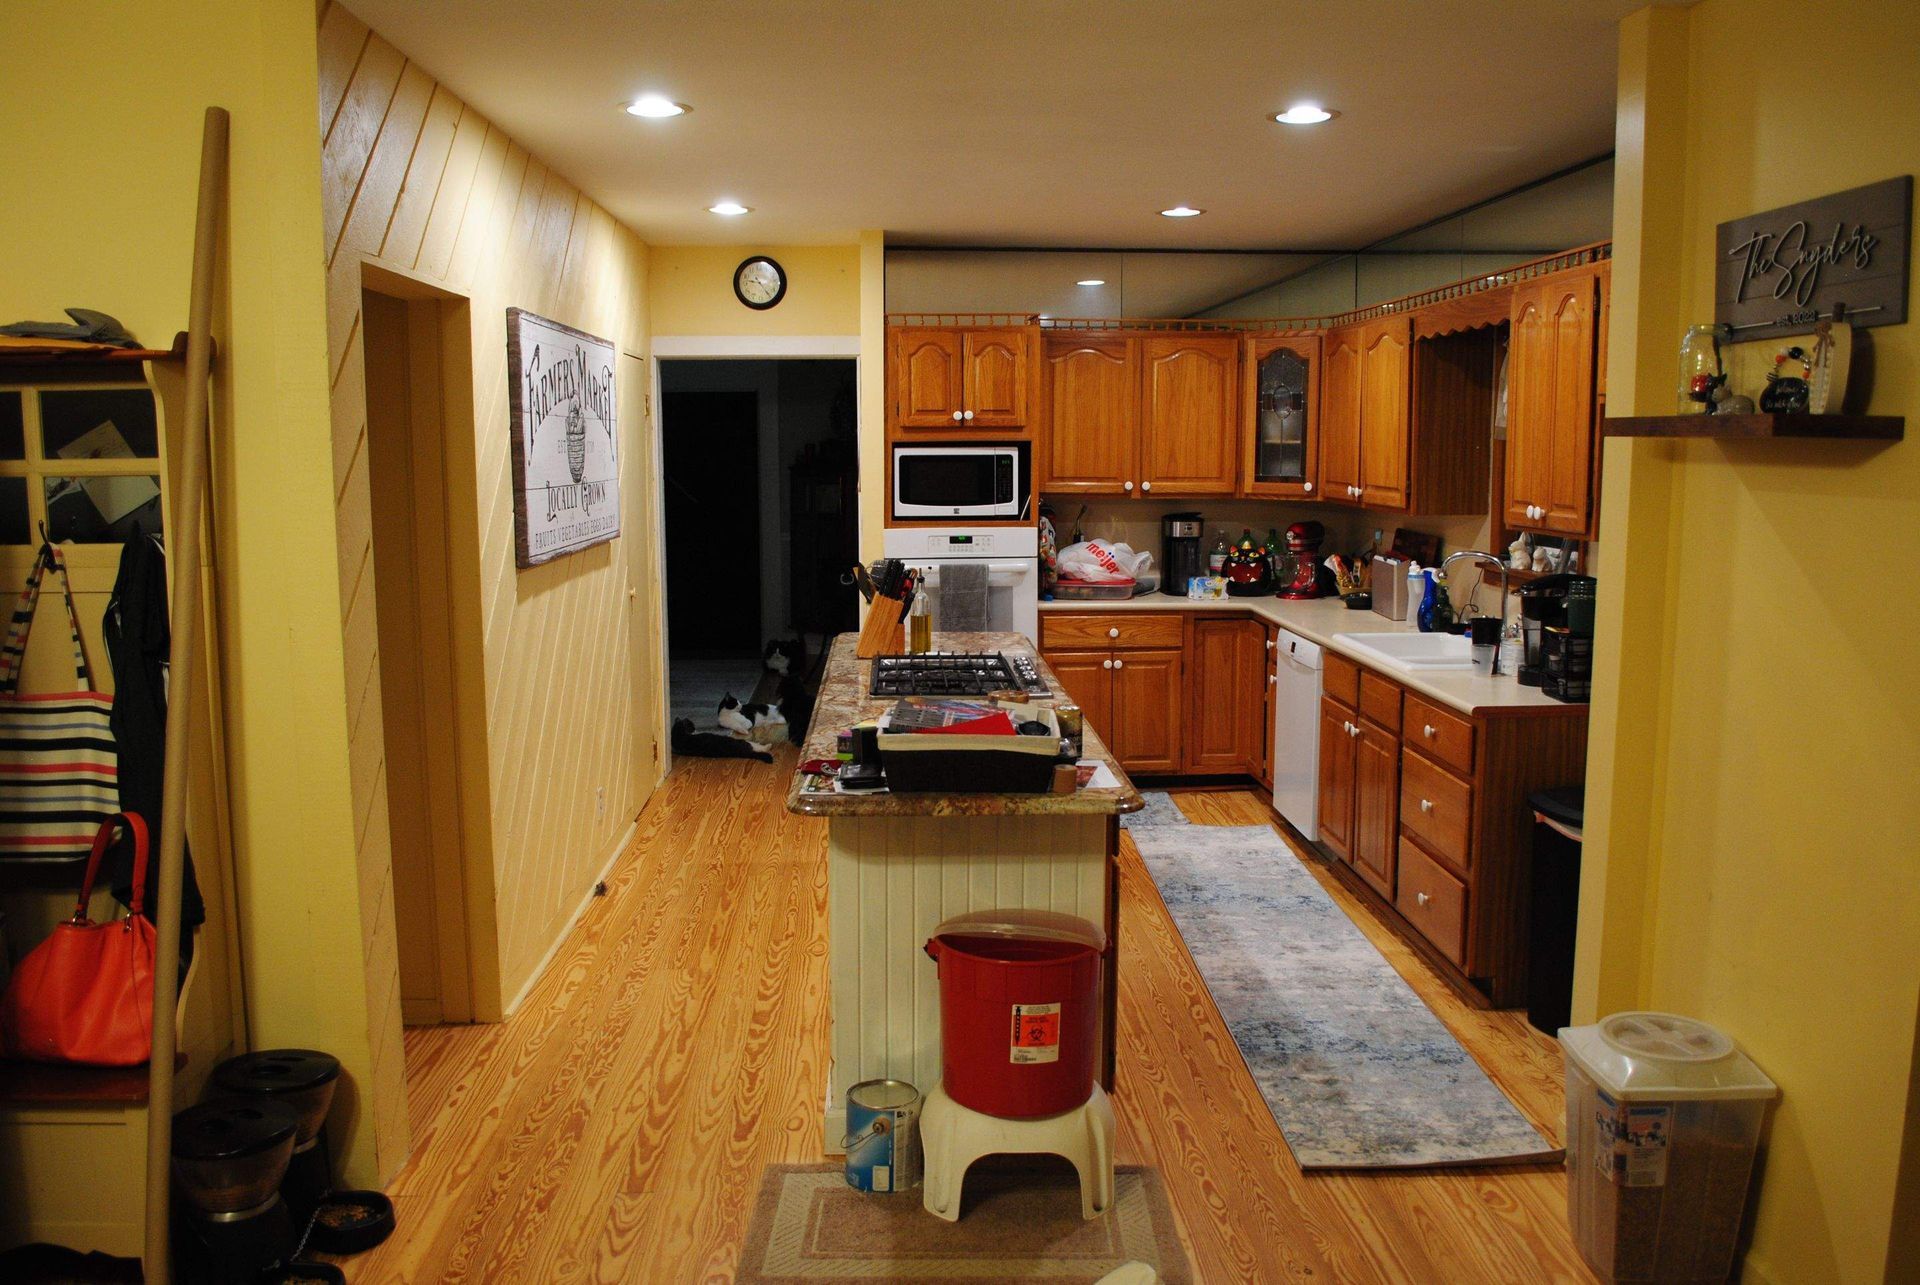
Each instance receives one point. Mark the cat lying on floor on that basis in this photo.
(745, 720)
(712, 745)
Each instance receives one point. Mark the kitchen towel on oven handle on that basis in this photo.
(59, 770)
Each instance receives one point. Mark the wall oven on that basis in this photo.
(939, 482)
(1010, 556)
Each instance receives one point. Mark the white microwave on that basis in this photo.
(959, 482)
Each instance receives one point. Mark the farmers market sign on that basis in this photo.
(566, 438)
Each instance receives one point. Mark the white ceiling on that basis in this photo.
(1032, 122)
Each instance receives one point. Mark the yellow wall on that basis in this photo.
(690, 290)
(1751, 787)
(101, 148)
(423, 186)
(836, 290)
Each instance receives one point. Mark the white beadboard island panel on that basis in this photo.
(892, 880)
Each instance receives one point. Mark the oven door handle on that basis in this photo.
(998, 573)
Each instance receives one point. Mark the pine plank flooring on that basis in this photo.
(616, 1127)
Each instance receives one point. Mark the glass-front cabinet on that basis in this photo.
(1282, 402)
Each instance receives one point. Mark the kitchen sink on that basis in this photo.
(1413, 651)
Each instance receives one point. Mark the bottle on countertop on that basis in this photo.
(1440, 614)
(920, 625)
(1423, 604)
(1416, 590)
(1217, 559)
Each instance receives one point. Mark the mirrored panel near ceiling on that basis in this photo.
(1570, 209)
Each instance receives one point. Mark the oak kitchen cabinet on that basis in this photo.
(1551, 375)
(1280, 408)
(961, 378)
(1146, 416)
(1427, 807)
(1125, 671)
(1227, 699)
(1366, 374)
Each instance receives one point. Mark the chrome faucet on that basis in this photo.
(1477, 556)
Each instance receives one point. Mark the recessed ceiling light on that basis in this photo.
(1305, 114)
(1181, 212)
(1092, 281)
(729, 208)
(656, 107)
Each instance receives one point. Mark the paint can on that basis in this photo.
(883, 1136)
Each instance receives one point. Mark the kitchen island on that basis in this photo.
(899, 865)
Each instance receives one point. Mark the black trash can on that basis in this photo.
(1558, 818)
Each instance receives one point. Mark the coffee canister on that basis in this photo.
(883, 1136)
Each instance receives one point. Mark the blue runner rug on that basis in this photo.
(1356, 1069)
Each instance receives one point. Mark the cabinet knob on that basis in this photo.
(1113, 631)
(969, 415)
(1353, 729)
(1422, 898)
(1106, 664)
(1306, 486)
(1146, 486)
(1119, 664)
(1271, 680)
(1269, 644)
(1427, 731)
(956, 417)
(1126, 486)
(1426, 805)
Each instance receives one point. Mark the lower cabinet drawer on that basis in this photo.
(1110, 629)
(1436, 807)
(1433, 901)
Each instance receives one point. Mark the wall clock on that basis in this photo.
(759, 282)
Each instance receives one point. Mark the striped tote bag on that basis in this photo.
(59, 774)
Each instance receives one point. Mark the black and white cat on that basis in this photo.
(786, 656)
(742, 720)
(712, 745)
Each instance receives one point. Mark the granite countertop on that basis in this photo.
(1319, 619)
(843, 701)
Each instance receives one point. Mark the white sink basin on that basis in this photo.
(1413, 651)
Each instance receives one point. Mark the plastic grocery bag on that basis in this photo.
(1097, 562)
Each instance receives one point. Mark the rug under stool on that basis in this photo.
(1020, 1222)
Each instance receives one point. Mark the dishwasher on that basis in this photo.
(1296, 732)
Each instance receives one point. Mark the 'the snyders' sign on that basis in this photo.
(566, 438)
(1781, 271)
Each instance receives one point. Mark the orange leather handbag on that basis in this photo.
(85, 994)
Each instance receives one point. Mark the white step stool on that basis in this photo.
(953, 1137)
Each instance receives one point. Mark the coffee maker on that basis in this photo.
(1298, 565)
(1543, 606)
(1182, 555)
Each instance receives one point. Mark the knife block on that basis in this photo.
(884, 633)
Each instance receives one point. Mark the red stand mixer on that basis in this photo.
(1298, 563)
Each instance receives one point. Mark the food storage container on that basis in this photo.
(1663, 1120)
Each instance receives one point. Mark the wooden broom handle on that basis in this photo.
(184, 550)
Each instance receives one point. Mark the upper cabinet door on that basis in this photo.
(1386, 371)
(928, 386)
(1189, 426)
(1340, 416)
(1092, 415)
(1570, 322)
(1280, 397)
(996, 379)
(1550, 392)
(1529, 407)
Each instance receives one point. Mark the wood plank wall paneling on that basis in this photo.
(419, 182)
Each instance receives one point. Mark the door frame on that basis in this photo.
(712, 348)
(468, 923)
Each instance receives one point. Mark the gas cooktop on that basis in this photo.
(955, 673)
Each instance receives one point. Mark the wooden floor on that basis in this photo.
(616, 1128)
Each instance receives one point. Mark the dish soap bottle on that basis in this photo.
(1423, 609)
(1440, 609)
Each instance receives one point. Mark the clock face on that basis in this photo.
(759, 282)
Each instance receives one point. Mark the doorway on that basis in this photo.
(412, 562)
(759, 475)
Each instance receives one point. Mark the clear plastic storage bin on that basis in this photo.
(1663, 1120)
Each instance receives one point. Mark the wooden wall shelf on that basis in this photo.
(1871, 428)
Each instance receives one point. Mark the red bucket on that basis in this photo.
(1019, 1013)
